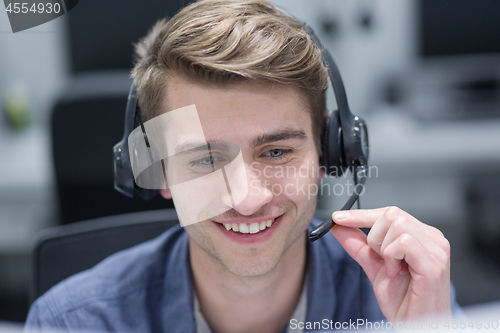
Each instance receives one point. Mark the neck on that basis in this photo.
(232, 303)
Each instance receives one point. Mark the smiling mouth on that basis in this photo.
(249, 228)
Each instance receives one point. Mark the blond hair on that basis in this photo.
(222, 42)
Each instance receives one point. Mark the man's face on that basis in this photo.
(272, 126)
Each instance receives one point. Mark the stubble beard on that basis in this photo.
(261, 263)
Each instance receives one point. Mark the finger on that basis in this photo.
(404, 268)
(396, 229)
(394, 213)
(393, 266)
(377, 234)
(392, 216)
(385, 231)
(366, 218)
(354, 242)
(420, 262)
(437, 237)
(358, 218)
(403, 225)
(393, 222)
(398, 222)
(354, 247)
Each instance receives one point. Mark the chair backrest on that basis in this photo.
(85, 124)
(107, 43)
(66, 250)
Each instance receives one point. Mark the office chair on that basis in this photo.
(100, 36)
(86, 122)
(66, 250)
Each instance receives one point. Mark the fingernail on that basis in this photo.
(341, 215)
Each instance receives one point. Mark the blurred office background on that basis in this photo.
(425, 74)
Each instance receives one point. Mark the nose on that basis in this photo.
(257, 193)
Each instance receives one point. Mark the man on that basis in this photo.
(258, 82)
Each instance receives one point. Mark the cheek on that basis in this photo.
(202, 234)
(195, 231)
(298, 182)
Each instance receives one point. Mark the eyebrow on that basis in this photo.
(192, 147)
(286, 134)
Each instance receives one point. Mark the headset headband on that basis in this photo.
(333, 71)
(354, 136)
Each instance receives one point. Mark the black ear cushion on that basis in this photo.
(332, 146)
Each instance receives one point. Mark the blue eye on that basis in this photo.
(278, 153)
(207, 161)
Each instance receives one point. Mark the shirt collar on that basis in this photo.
(321, 293)
(178, 304)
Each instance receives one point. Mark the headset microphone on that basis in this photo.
(345, 138)
(328, 225)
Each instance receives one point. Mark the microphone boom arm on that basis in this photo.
(360, 174)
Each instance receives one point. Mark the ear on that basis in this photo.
(322, 173)
(166, 192)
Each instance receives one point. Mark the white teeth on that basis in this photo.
(262, 225)
(254, 228)
(244, 228)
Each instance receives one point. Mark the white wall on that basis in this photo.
(34, 59)
(36, 62)
(364, 57)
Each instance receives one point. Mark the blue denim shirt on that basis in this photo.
(148, 288)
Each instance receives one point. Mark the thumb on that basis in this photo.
(354, 242)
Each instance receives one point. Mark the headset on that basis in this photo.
(344, 141)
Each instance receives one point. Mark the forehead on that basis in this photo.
(242, 111)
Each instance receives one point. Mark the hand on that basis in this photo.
(407, 261)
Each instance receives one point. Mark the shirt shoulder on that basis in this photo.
(121, 290)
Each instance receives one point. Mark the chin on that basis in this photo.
(251, 267)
